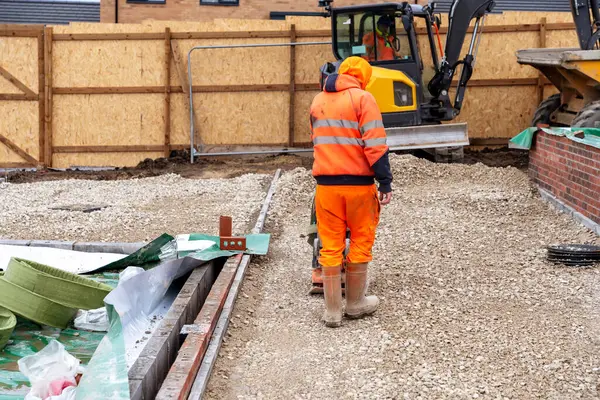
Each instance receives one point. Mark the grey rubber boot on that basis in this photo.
(332, 293)
(357, 304)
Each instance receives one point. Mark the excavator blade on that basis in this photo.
(427, 136)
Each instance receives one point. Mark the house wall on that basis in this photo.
(191, 10)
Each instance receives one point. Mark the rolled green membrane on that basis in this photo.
(8, 321)
(34, 307)
(59, 286)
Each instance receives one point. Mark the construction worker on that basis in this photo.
(385, 50)
(350, 153)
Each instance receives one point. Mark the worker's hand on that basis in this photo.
(385, 198)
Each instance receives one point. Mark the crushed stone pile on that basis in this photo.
(131, 210)
(470, 308)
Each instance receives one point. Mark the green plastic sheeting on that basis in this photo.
(145, 257)
(110, 362)
(104, 355)
(107, 373)
(524, 140)
(29, 338)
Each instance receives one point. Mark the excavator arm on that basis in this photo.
(587, 30)
(460, 16)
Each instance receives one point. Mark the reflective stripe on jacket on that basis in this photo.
(348, 136)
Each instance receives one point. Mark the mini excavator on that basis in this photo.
(412, 88)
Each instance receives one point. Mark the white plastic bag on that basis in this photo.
(92, 320)
(128, 273)
(52, 363)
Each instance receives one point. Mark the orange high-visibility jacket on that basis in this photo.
(348, 136)
(385, 52)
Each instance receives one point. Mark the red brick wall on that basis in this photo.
(569, 170)
(191, 10)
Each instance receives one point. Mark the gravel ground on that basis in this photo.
(135, 209)
(469, 306)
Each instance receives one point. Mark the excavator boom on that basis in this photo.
(460, 16)
(588, 36)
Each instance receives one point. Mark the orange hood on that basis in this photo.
(358, 68)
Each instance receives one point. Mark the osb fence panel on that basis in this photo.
(117, 90)
(19, 101)
(233, 118)
(108, 63)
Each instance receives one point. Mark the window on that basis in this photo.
(375, 36)
(220, 2)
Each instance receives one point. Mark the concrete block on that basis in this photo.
(156, 348)
(55, 244)
(11, 242)
(141, 367)
(178, 312)
(135, 389)
(101, 247)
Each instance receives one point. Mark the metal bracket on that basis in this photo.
(226, 240)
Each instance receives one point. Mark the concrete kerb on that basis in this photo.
(585, 221)
(87, 247)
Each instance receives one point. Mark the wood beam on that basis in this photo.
(17, 97)
(109, 149)
(108, 36)
(22, 153)
(231, 35)
(16, 82)
(48, 133)
(541, 76)
(180, 63)
(253, 88)
(16, 165)
(167, 89)
(292, 89)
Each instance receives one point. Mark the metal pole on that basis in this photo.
(191, 94)
(479, 40)
(474, 36)
(250, 153)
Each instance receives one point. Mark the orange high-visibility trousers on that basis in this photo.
(341, 207)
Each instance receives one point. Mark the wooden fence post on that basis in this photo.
(541, 77)
(167, 92)
(48, 95)
(292, 90)
(42, 97)
(180, 64)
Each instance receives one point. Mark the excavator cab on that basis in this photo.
(385, 35)
(411, 80)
